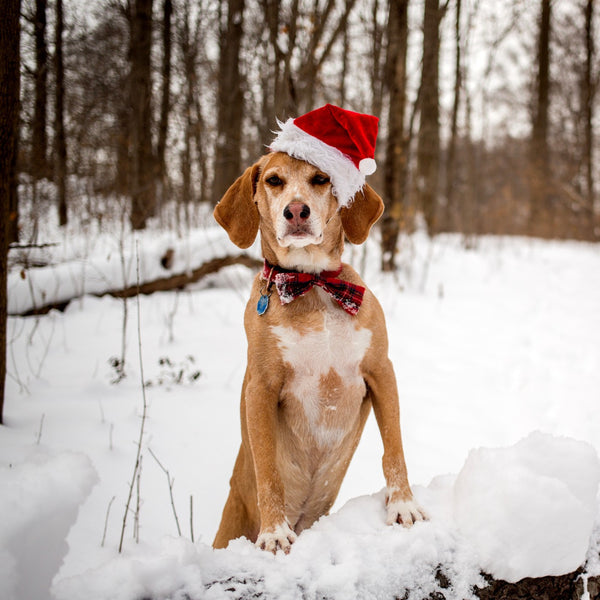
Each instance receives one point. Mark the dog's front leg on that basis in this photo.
(261, 415)
(401, 506)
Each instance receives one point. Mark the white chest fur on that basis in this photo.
(325, 366)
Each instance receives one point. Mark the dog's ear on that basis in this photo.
(236, 212)
(361, 215)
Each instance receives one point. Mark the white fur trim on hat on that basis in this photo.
(346, 179)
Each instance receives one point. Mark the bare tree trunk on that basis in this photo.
(188, 55)
(306, 81)
(539, 161)
(377, 78)
(60, 150)
(142, 188)
(451, 211)
(39, 140)
(428, 149)
(123, 116)
(199, 135)
(230, 102)
(395, 159)
(165, 105)
(9, 127)
(588, 111)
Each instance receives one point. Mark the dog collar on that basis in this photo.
(293, 284)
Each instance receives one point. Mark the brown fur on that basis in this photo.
(302, 416)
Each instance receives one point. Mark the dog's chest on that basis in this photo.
(325, 389)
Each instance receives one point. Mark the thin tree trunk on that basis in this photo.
(188, 53)
(39, 140)
(451, 212)
(123, 139)
(142, 174)
(588, 111)
(344, 70)
(9, 127)
(395, 159)
(165, 105)
(200, 151)
(60, 166)
(428, 148)
(230, 101)
(539, 162)
(377, 82)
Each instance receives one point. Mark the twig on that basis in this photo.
(138, 504)
(192, 518)
(30, 246)
(144, 411)
(171, 481)
(39, 435)
(106, 522)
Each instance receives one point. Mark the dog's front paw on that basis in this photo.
(405, 512)
(280, 537)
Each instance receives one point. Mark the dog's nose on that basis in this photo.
(296, 212)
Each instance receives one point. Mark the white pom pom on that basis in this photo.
(367, 166)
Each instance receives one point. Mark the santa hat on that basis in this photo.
(339, 142)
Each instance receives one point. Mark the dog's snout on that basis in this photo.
(296, 212)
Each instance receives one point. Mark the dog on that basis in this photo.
(316, 365)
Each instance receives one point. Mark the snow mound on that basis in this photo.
(523, 511)
(39, 501)
(529, 510)
(349, 554)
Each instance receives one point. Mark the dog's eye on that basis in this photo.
(274, 181)
(320, 179)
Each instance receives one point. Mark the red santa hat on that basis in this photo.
(339, 142)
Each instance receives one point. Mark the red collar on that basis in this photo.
(293, 284)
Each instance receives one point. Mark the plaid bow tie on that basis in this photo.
(292, 284)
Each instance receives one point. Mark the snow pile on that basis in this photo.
(39, 502)
(523, 511)
(350, 554)
(529, 510)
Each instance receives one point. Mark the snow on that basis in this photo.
(40, 501)
(498, 364)
(112, 266)
(510, 503)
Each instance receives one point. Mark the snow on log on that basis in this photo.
(165, 264)
(353, 554)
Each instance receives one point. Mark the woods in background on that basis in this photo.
(488, 110)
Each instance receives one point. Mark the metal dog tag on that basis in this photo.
(262, 304)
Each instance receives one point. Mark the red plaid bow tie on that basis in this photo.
(292, 284)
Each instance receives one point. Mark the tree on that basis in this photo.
(142, 188)
(540, 158)
(60, 149)
(301, 39)
(230, 98)
(165, 105)
(588, 93)
(39, 140)
(395, 156)
(9, 123)
(428, 148)
(450, 163)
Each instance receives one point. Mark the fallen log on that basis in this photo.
(163, 284)
(561, 587)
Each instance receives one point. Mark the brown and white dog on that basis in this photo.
(314, 370)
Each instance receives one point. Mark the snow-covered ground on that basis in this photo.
(497, 355)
